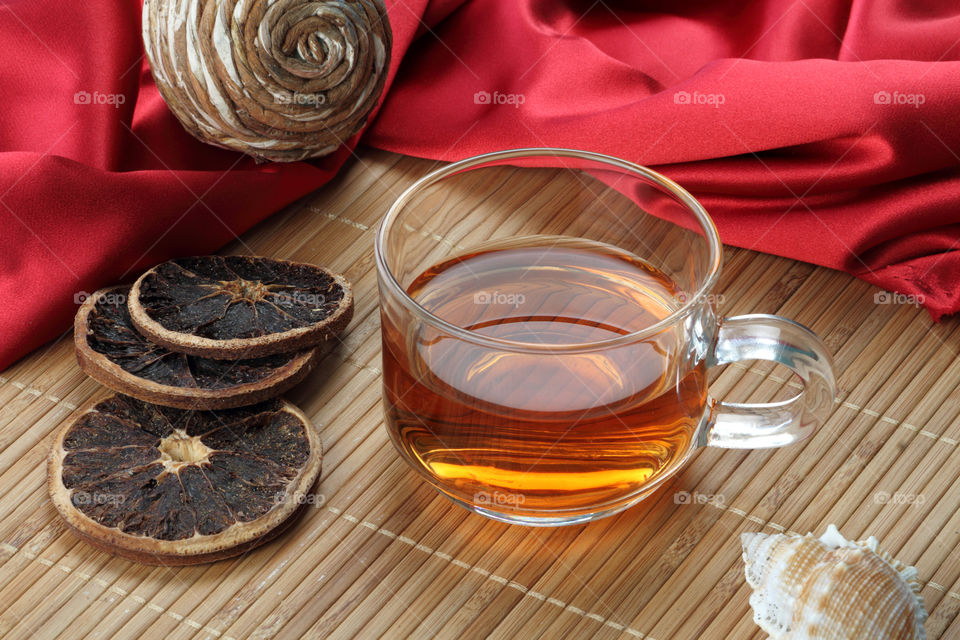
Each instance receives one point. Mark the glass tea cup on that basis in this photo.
(548, 318)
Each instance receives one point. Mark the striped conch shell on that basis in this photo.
(278, 79)
(829, 588)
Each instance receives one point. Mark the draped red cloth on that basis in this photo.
(820, 130)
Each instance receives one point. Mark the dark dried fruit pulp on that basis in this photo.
(114, 336)
(169, 474)
(228, 297)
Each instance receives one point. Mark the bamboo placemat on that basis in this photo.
(385, 556)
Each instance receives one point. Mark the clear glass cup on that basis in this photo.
(491, 452)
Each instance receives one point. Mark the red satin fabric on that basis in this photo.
(815, 129)
(820, 130)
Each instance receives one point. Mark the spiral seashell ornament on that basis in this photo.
(280, 80)
(829, 588)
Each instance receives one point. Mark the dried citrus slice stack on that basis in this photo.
(168, 486)
(232, 307)
(197, 460)
(111, 351)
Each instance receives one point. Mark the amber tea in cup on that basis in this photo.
(546, 339)
(577, 428)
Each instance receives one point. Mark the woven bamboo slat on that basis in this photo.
(385, 556)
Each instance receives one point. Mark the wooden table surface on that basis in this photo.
(385, 556)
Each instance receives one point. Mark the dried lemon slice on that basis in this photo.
(167, 486)
(232, 307)
(111, 351)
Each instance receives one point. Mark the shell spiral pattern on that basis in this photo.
(280, 80)
(829, 588)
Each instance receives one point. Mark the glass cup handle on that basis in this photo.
(736, 425)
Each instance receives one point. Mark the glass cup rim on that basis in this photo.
(692, 204)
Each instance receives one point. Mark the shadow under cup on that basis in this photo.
(547, 323)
